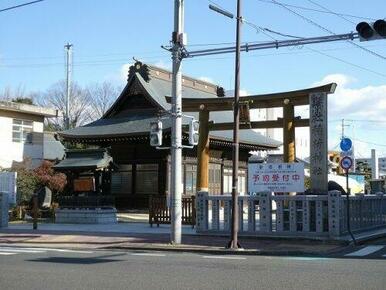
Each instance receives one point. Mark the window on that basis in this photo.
(214, 178)
(122, 180)
(22, 131)
(146, 179)
(227, 184)
(190, 179)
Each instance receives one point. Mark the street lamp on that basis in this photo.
(233, 243)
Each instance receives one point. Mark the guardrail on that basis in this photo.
(284, 215)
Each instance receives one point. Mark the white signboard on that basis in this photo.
(276, 177)
(8, 185)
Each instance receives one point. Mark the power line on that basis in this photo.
(264, 30)
(371, 143)
(332, 12)
(325, 29)
(129, 54)
(367, 121)
(347, 62)
(317, 10)
(20, 5)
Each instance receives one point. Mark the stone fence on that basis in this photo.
(281, 215)
(3, 210)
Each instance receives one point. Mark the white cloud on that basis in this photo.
(124, 71)
(231, 93)
(206, 79)
(163, 64)
(366, 103)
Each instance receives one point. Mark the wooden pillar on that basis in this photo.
(288, 132)
(203, 152)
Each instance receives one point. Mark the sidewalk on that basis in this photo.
(140, 236)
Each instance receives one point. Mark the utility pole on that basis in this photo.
(176, 115)
(68, 48)
(234, 244)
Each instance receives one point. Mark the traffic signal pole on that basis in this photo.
(273, 44)
(176, 115)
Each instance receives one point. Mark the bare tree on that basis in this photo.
(17, 94)
(101, 96)
(80, 105)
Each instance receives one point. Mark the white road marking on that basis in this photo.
(13, 250)
(64, 250)
(224, 257)
(6, 254)
(148, 254)
(41, 250)
(365, 251)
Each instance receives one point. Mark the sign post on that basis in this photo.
(276, 177)
(346, 163)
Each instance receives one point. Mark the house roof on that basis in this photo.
(155, 84)
(29, 109)
(86, 159)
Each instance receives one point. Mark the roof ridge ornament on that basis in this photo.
(141, 68)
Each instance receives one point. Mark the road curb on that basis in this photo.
(245, 252)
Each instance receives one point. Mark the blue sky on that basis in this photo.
(107, 34)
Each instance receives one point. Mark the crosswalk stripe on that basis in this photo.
(148, 254)
(13, 250)
(6, 253)
(365, 251)
(224, 257)
(47, 249)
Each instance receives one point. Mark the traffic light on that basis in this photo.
(156, 133)
(372, 31)
(193, 132)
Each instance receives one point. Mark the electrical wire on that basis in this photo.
(371, 143)
(20, 5)
(327, 30)
(330, 11)
(320, 11)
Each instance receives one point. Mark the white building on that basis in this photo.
(302, 134)
(21, 133)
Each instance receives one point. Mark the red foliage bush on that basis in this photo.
(48, 177)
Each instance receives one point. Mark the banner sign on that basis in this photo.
(276, 177)
(8, 185)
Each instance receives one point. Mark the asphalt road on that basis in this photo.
(44, 268)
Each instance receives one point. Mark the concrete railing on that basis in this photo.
(283, 215)
(3, 210)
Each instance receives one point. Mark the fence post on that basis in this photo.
(292, 215)
(251, 214)
(3, 210)
(215, 215)
(227, 214)
(241, 213)
(334, 200)
(202, 211)
(279, 215)
(306, 214)
(265, 202)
